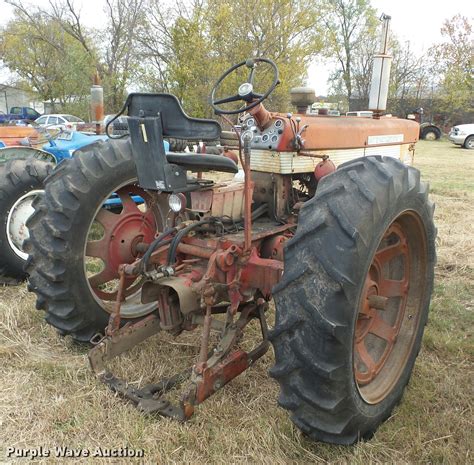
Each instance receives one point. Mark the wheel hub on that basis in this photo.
(130, 230)
(17, 232)
(382, 310)
(430, 136)
(122, 233)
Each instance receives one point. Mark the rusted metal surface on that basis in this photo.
(212, 371)
(247, 201)
(385, 325)
(121, 341)
(114, 321)
(118, 245)
(262, 116)
(324, 168)
(18, 135)
(189, 300)
(325, 132)
(206, 330)
(261, 273)
(97, 103)
(218, 376)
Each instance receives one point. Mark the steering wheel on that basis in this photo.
(245, 91)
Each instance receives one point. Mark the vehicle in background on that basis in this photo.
(19, 114)
(59, 121)
(119, 125)
(428, 130)
(463, 135)
(31, 164)
(362, 114)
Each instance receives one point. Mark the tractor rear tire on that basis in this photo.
(430, 133)
(64, 235)
(20, 182)
(353, 300)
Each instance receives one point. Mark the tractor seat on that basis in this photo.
(202, 162)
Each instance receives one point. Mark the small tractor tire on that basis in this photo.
(353, 300)
(469, 143)
(20, 182)
(430, 133)
(76, 245)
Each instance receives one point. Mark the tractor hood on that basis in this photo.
(326, 132)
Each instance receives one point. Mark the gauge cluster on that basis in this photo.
(267, 139)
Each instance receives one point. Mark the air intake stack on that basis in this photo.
(302, 98)
(381, 73)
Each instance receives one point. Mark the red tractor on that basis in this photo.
(346, 254)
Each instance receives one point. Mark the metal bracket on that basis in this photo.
(207, 377)
(154, 171)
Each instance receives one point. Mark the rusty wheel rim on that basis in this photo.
(120, 234)
(390, 307)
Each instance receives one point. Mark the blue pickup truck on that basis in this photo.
(26, 114)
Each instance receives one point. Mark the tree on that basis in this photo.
(114, 51)
(181, 48)
(120, 55)
(190, 47)
(55, 65)
(111, 51)
(351, 33)
(410, 79)
(453, 60)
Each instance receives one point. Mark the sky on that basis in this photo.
(418, 21)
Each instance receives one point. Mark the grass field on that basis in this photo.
(48, 396)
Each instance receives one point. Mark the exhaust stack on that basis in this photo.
(381, 72)
(97, 103)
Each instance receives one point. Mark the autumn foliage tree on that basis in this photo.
(54, 64)
(454, 64)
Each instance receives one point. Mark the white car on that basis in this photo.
(463, 134)
(56, 121)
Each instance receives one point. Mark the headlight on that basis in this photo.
(177, 202)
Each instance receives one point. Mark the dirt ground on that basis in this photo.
(49, 398)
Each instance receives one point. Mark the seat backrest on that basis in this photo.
(175, 122)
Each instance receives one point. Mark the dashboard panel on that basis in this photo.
(267, 139)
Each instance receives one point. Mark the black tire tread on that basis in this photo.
(51, 230)
(314, 297)
(17, 176)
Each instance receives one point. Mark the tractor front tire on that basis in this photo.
(20, 182)
(353, 300)
(76, 245)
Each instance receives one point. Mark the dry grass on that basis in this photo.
(48, 397)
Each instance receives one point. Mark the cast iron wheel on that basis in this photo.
(20, 182)
(76, 245)
(469, 143)
(353, 300)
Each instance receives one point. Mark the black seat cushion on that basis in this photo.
(202, 162)
(175, 122)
